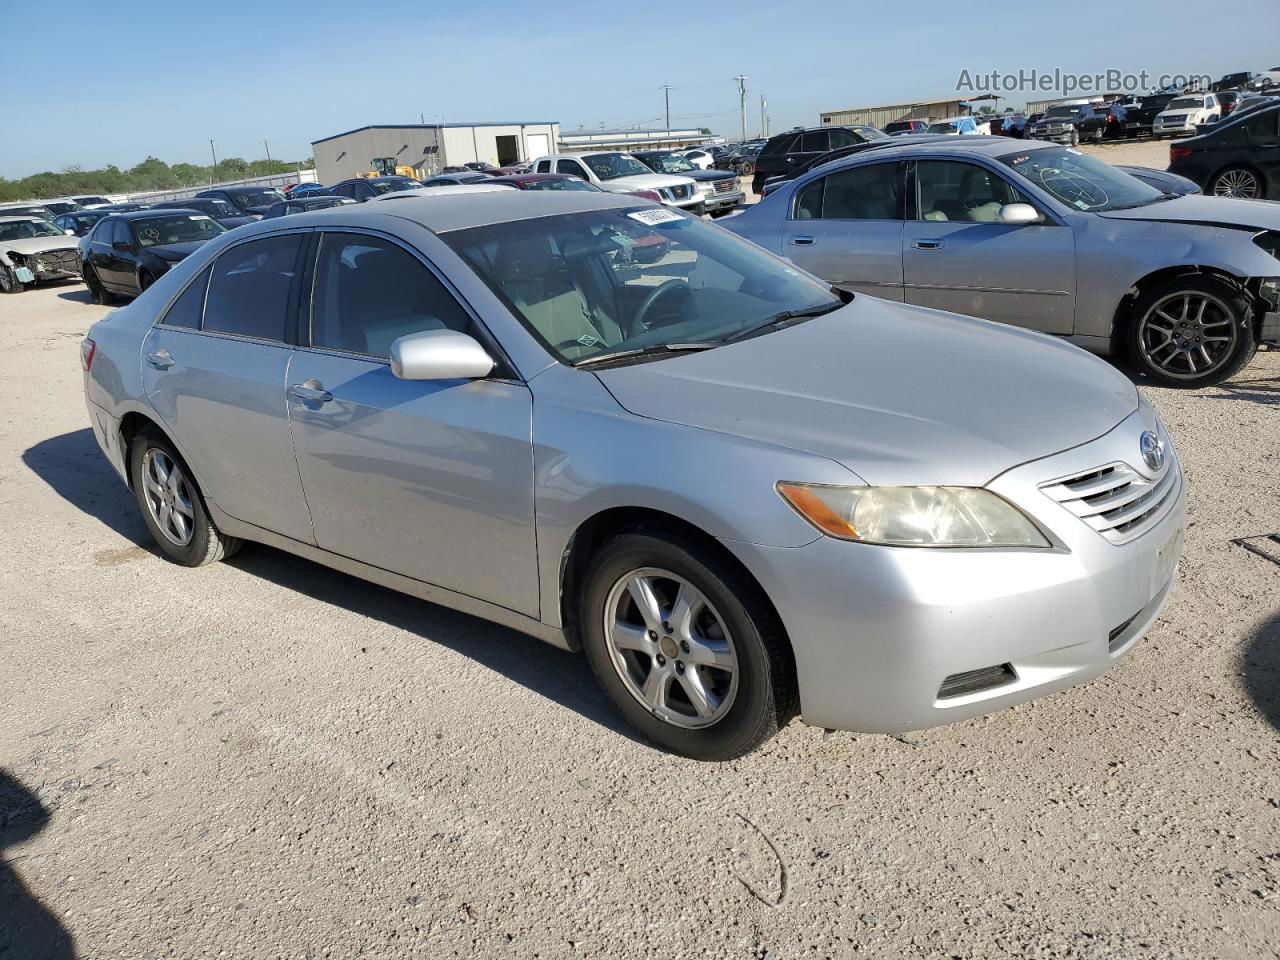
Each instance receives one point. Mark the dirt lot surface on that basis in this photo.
(265, 759)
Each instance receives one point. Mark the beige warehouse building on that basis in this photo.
(428, 148)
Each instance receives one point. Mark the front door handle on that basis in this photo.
(802, 241)
(926, 244)
(161, 359)
(310, 391)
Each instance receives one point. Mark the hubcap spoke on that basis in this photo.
(627, 636)
(641, 590)
(703, 700)
(655, 688)
(688, 602)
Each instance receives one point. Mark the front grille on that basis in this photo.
(724, 186)
(1116, 500)
(55, 261)
(679, 193)
(1176, 118)
(976, 681)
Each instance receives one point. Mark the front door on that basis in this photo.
(218, 382)
(847, 227)
(957, 256)
(429, 479)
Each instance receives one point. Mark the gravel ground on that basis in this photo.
(266, 759)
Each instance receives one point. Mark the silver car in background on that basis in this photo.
(1040, 236)
(624, 430)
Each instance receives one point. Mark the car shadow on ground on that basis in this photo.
(1264, 390)
(75, 468)
(1260, 667)
(77, 294)
(28, 930)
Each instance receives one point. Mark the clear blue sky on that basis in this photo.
(92, 83)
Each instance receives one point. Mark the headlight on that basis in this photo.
(914, 516)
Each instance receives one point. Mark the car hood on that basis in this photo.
(173, 252)
(645, 181)
(1210, 211)
(39, 244)
(898, 394)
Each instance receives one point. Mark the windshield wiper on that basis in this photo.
(634, 352)
(778, 320)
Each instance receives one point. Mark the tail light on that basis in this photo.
(1179, 153)
(88, 350)
(647, 195)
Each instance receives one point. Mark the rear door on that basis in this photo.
(846, 228)
(957, 256)
(1263, 150)
(214, 369)
(431, 480)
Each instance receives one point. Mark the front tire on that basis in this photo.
(685, 645)
(172, 506)
(1239, 182)
(9, 282)
(1075, 137)
(1192, 331)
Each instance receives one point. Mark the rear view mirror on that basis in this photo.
(439, 355)
(1019, 214)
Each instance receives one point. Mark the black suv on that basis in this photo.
(1235, 157)
(789, 150)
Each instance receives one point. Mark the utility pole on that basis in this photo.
(214, 169)
(742, 102)
(267, 147)
(764, 117)
(666, 90)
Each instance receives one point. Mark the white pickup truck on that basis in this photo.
(623, 173)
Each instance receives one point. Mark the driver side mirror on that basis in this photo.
(1019, 214)
(439, 355)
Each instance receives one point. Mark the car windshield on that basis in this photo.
(942, 128)
(633, 279)
(670, 163)
(86, 201)
(25, 212)
(61, 206)
(26, 229)
(393, 185)
(871, 133)
(180, 228)
(1064, 111)
(254, 198)
(568, 183)
(220, 208)
(1186, 103)
(1081, 181)
(611, 166)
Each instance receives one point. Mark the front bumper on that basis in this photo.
(878, 630)
(714, 202)
(1173, 129)
(48, 265)
(1060, 136)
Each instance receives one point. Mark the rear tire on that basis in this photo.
(97, 291)
(712, 685)
(172, 505)
(1176, 331)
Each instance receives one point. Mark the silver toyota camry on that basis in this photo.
(1040, 236)
(742, 493)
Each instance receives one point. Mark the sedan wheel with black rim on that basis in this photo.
(1192, 332)
(685, 645)
(1238, 182)
(172, 506)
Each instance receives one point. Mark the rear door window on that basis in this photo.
(815, 141)
(778, 145)
(872, 192)
(251, 286)
(188, 308)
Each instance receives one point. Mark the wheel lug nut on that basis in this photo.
(666, 626)
(684, 645)
(653, 635)
(662, 661)
(679, 666)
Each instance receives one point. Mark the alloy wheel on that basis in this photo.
(1240, 184)
(1187, 335)
(169, 497)
(671, 648)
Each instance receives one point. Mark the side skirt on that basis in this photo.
(394, 581)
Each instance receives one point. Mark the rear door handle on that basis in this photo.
(306, 391)
(802, 241)
(926, 244)
(161, 359)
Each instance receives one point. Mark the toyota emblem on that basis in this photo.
(1152, 448)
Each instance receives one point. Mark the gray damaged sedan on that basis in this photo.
(629, 432)
(1040, 236)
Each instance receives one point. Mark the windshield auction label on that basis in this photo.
(651, 218)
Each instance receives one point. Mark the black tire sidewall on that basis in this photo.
(198, 549)
(11, 283)
(96, 290)
(1245, 347)
(755, 713)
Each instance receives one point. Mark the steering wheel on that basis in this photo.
(664, 289)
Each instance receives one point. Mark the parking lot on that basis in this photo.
(266, 758)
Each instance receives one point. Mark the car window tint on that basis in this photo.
(544, 166)
(843, 138)
(249, 290)
(369, 292)
(815, 141)
(571, 167)
(778, 145)
(871, 192)
(949, 190)
(121, 233)
(186, 310)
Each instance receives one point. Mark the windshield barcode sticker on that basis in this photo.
(652, 218)
(199, 216)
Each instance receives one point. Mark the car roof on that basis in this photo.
(21, 219)
(982, 145)
(530, 177)
(457, 208)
